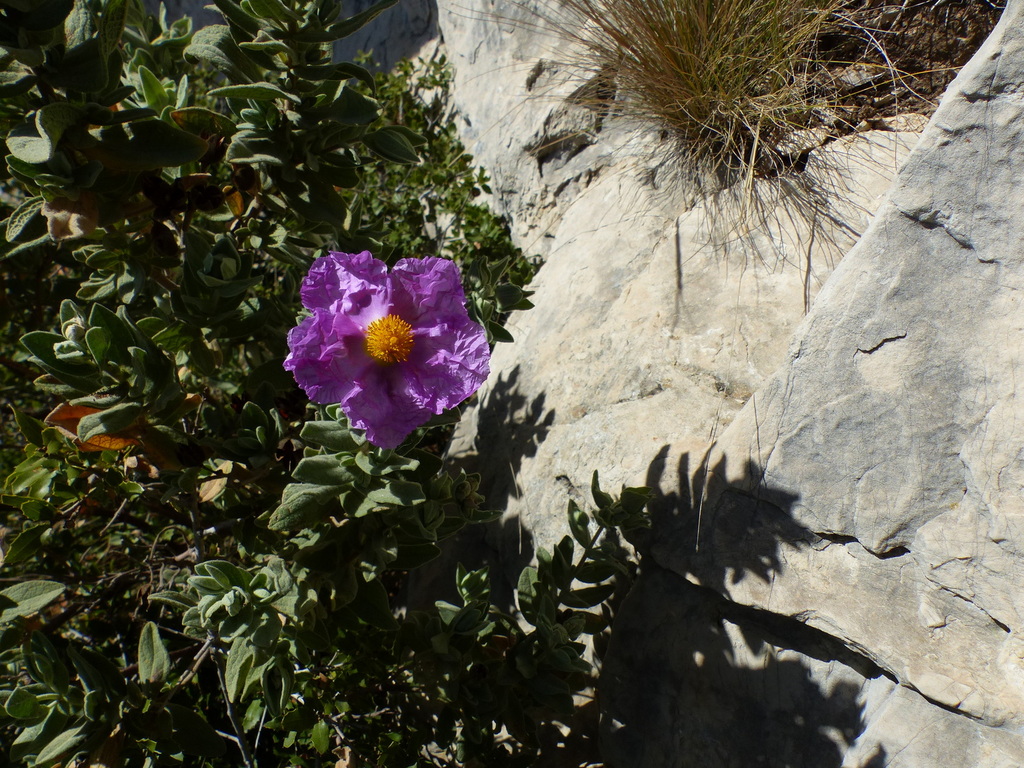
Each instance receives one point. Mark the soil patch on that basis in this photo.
(899, 57)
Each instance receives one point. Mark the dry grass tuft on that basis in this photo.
(728, 79)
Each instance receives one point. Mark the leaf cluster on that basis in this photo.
(196, 565)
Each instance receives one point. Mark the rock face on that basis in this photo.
(872, 490)
(838, 534)
(657, 313)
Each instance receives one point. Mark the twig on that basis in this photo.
(21, 369)
(236, 724)
(201, 655)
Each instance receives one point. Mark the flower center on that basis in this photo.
(389, 339)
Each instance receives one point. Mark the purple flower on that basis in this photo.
(392, 349)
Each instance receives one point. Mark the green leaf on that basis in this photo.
(351, 25)
(26, 144)
(16, 80)
(202, 121)
(634, 500)
(41, 345)
(97, 673)
(98, 342)
(587, 597)
(153, 90)
(241, 657)
(32, 480)
(178, 600)
(31, 428)
(372, 606)
(579, 523)
(341, 70)
(115, 13)
(392, 142)
(508, 295)
(109, 421)
(25, 544)
(79, 26)
(22, 217)
(302, 505)
(226, 574)
(54, 119)
(330, 434)
(527, 592)
(596, 572)
(149, 145)
(414, 555)
(215, 45)
(497, 333)
(319, 201)
(234, 14)
(61, 745)
(321, 737)
(269, 9)
(250, 149)
(22, 705)
(379, 464)
(602, 499)
(84, 68)
(398, 492)
(30, 596)
(323, 470)
(154, 660)
(254, 91)
(351, 108)
(119, 333)
(561, 562)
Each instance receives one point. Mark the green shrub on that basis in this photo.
(198, 565)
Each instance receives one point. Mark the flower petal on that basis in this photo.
(353, 284)
(385, 408)
(425, 289)
(325, 363)
(449, 363)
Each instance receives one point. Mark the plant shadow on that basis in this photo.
(693, 679)
(504, 546)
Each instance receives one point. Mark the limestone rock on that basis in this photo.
(403, 31)
(657, 314)
(873, 487)
(840, 571)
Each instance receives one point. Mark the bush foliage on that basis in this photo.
(199, 567)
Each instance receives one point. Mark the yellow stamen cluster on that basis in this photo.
(389, 339)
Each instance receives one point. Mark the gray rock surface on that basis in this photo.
(400, 32)
(657, 313)
(873, 488)
(834, 583)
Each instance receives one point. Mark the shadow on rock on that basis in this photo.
(694, 680)
(509, 428)
(736, 537)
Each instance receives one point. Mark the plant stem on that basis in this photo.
(236, 723)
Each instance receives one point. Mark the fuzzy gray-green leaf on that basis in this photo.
(154, 660)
